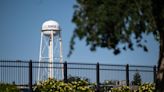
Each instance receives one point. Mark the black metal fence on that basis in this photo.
(25, 73)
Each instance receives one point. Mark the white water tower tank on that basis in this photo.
(50, 51)
(50, 26)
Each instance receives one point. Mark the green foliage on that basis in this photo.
(52, 85)
(137, 79)
(81, 86)
(121, 89)
(147, 87)
(108, 23)
(8, 88)
(107, 85)
(76, 78)
(73, 78)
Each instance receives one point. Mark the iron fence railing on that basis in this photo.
(24, 73)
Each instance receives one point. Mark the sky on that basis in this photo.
(20, 28)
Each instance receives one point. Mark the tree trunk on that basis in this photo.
(160, 73)
(158, 11)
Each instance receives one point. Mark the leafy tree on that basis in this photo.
(137, 79)
(76, 78)
(108, 23)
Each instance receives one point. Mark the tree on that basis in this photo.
(76, 78)
(137, 79)
(108, 23)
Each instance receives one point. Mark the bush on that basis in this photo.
(121, 89)
(52, 85)
(147, 87)
(4, 87)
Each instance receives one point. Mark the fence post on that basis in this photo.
(127, 74)
(154, 70)
(98, 77)
(65, 72)
(30, 76)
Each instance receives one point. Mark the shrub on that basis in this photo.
(4, 87)
(81, 86)
(121, 89)
(52, 85)
(147, 87)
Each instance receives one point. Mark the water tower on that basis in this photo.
(50, 51)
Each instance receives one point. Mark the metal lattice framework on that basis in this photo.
(50, 51)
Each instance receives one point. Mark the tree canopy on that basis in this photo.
(108, 23)
(137, 79)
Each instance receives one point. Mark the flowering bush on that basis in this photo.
(147, 87)
(121, 89)
(52, 85)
